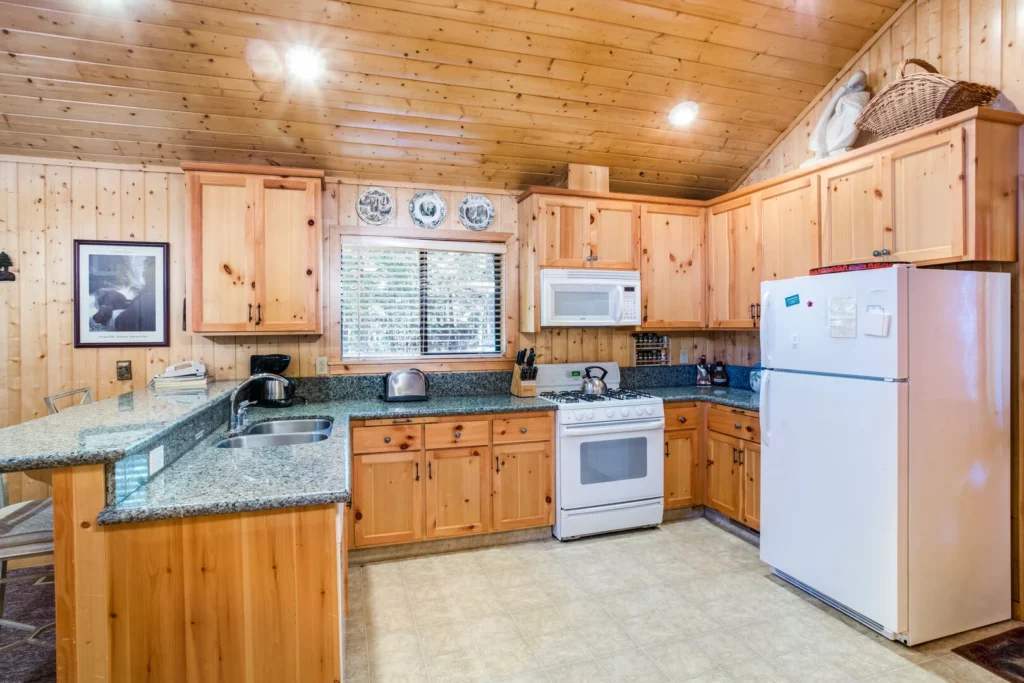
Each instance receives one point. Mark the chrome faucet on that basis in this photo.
(237, 419)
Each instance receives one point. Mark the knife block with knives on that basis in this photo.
(524, 374)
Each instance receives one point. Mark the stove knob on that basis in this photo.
(625, 412)
(609, 412)
(579, 416)
(590, 414)
(649, 410)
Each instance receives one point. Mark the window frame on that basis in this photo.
(455, 363)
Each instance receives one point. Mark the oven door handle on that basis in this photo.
(614, 428)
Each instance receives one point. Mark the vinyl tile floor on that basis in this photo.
(688, 601)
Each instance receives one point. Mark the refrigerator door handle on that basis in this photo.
(766, 418)
(766, 347)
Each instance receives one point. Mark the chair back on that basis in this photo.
(86, 393)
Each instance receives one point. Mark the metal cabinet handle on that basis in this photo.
(741, 456)
(430, 471)
(885, 252)
(736, 425)
(751, 311)
(522, 430)
(758, 308)
(401, 422)
(458, 435)
(645, 312)
(417, 471)
(682, 420)
(259, 313)
(594, 258)
(497, 467)
(250, 312)
(387, 439)
(590, 258)
(876, 253)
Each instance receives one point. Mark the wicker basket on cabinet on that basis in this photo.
(920, 98)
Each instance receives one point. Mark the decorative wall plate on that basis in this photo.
(476, 212)
(375, 205)
(427, 209)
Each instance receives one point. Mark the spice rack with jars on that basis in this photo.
(650, 349)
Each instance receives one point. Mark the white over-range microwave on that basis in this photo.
(589, 298)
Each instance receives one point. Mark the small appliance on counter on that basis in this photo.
(703, 373)
(274, 394)
(719, 377)
(405, 385)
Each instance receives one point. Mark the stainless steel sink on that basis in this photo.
(264, 440)
(291, 427)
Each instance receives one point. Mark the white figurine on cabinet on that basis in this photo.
(835, 132)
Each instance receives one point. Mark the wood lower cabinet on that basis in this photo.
(254, 250)
(724, 480)
(457, 492)
(415, 480)
(750, 458)
(734, 266)
(523, 485)
(682, 468)
(387, 498)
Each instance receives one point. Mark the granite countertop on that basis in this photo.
(209, 480)
(100, 432)
(728, 396)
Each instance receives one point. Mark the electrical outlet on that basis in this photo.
(321, 365)
(684, 356)
(156, 460)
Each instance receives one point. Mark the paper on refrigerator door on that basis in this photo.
(842, 317)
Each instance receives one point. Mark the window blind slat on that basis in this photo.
(408, 301)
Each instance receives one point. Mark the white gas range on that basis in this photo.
(609, 472)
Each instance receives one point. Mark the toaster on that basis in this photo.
(405, 385)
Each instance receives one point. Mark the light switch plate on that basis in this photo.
(684, 356)
(156, 460)
(321, 365)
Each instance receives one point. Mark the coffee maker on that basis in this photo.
(274, 394)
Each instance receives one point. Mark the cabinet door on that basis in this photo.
(614, 235)
(923, 186)
(672, 266)
(789, 229)
(851, 211)
(564, 233)
(221, 248)
(289, 252)
(734, 265)
(682, 482)
(387, 498)
(457, 491)
(724, 482)
(751, 457)
(523, 486)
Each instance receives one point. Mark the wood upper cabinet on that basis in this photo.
(724, 480)
(672, 266)
(851, 211)
(387, 498)
(682, 468)
(734, 265)
(522, 485)
(254, 251)
(923, 194)
(457, 492)
(788, 224)
(750, 459)
(564, 232)
(614, 234)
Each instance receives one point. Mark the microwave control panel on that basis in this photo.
(629, 305)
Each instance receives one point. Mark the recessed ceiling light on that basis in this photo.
(305, 63)
(683, 114)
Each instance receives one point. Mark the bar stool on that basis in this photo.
(86, 398)
(26, 530)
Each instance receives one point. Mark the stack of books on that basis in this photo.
(178, 385)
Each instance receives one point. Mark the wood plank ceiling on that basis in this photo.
(476, 92)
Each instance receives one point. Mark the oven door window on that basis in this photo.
(603, 462)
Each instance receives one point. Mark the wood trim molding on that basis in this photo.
(420, 234)
(615, 196)
(252, 170)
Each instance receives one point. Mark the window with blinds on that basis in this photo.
(417, 298)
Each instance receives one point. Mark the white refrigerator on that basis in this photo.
(885, 420)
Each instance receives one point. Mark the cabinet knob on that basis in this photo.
(522, 430)
(736, 425)
(311, 222)
(885, 252)
(876, 253)
(387, 439)
(595, 258)
(682, 420)
(458, 435)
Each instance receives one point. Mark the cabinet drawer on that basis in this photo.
(738, 423)
(387, 439)
(448, 434)
(682, 416)
(522, 429)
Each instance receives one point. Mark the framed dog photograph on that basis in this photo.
(121, 294)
